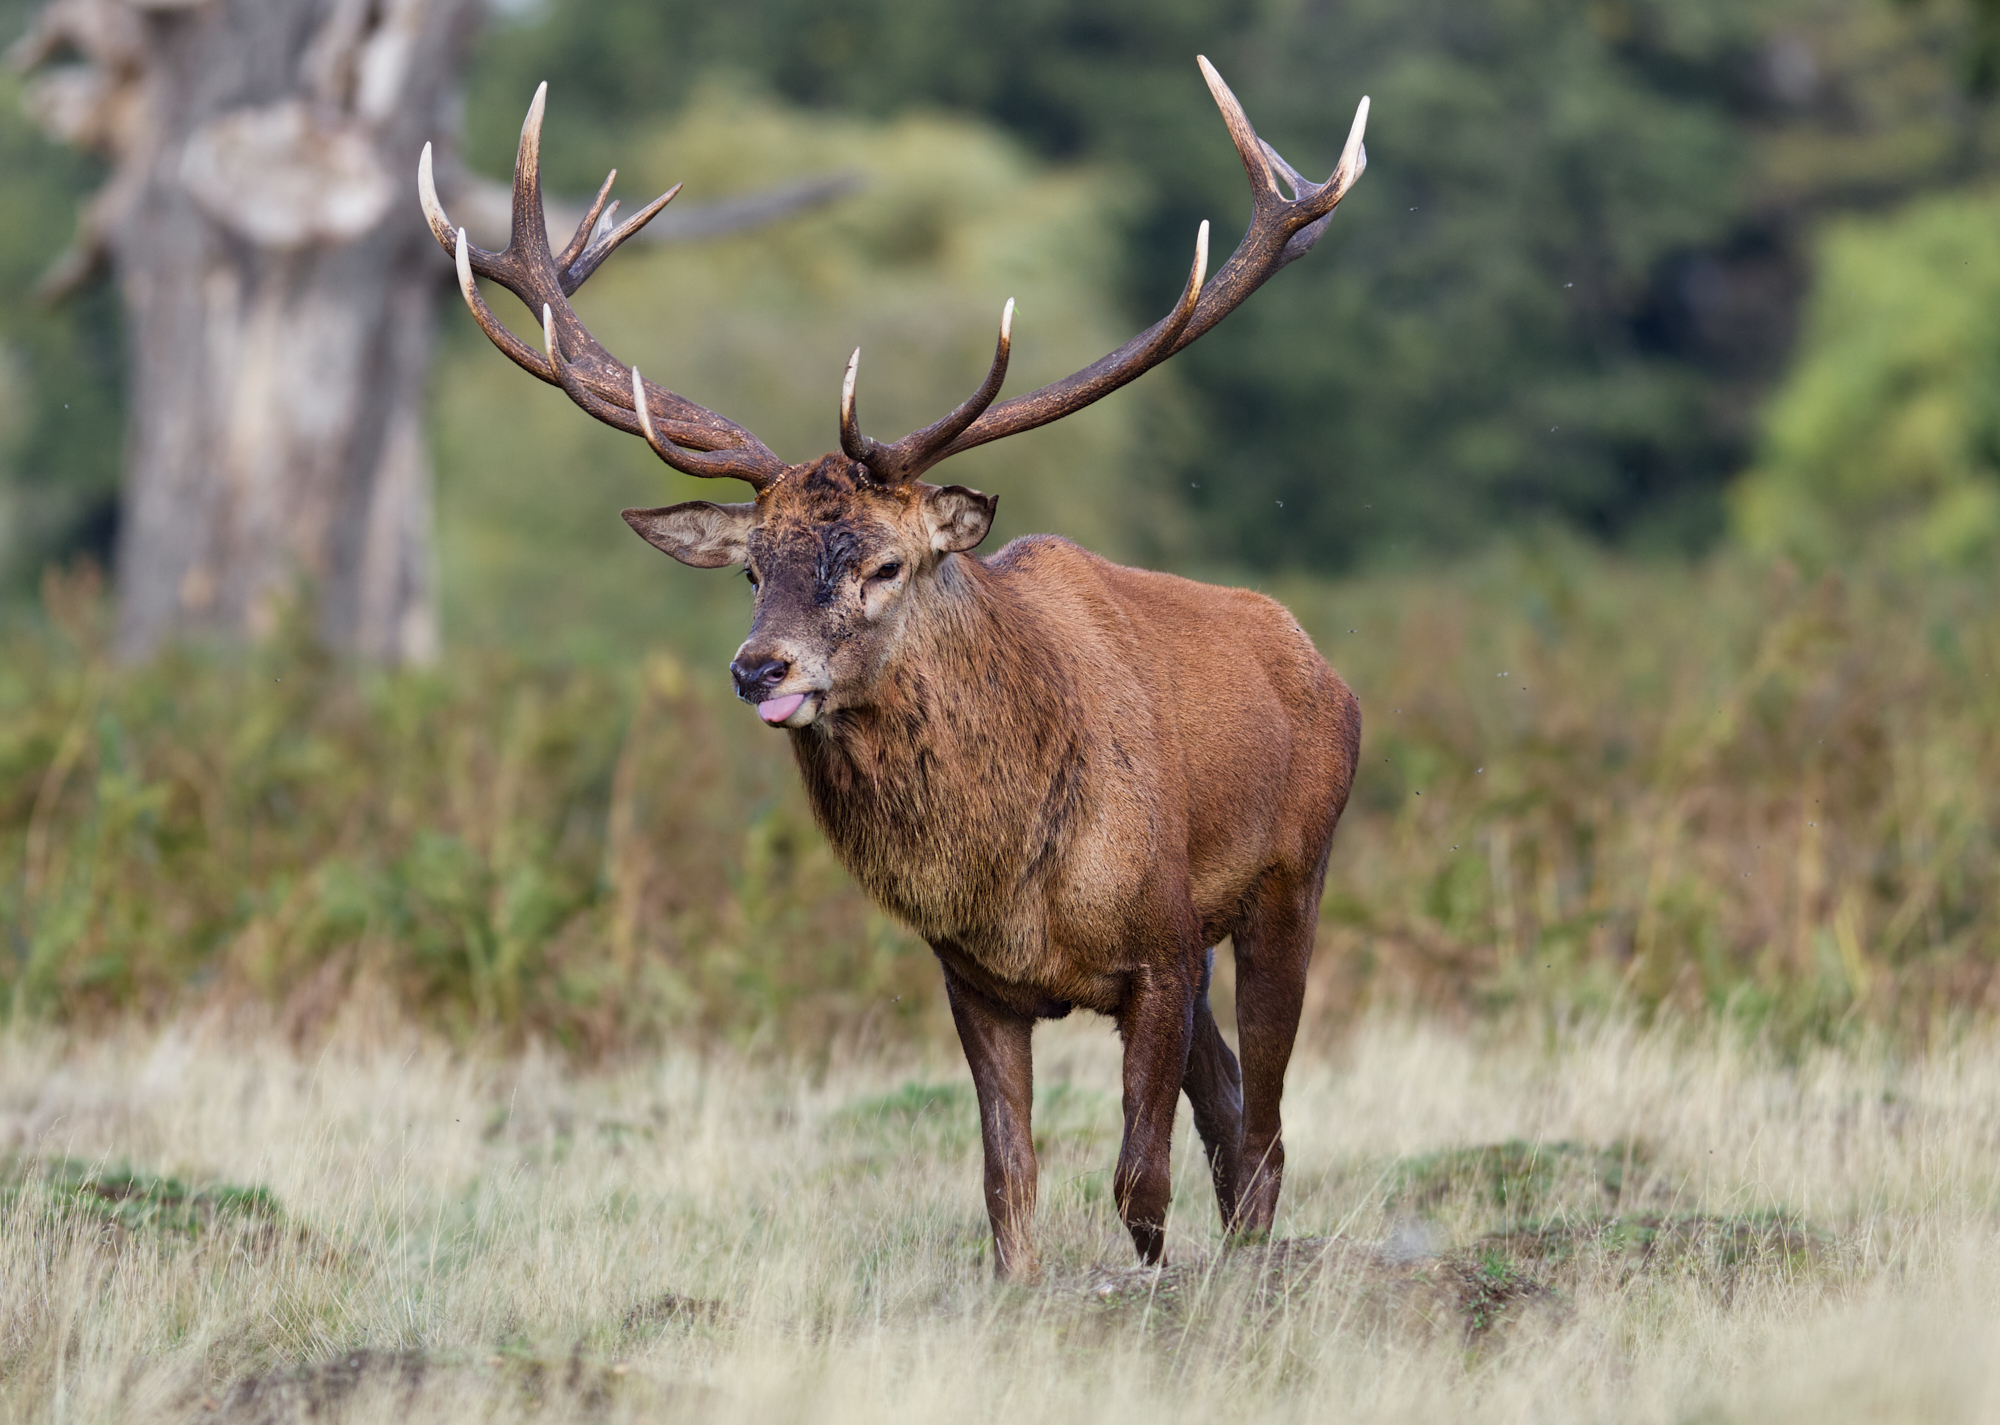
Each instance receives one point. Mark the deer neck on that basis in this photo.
(953, 755)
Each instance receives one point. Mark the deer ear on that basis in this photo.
(958, 517)
(700, 533)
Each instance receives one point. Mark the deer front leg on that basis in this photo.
(997, 1049)
(1157, 1023)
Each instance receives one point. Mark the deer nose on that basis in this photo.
(756, 678)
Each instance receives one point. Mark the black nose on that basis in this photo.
(755, 679)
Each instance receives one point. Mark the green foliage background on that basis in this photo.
(1887, 434)
(1563, 294)
(1533, 167)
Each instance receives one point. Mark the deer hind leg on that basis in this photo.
(1157, 1023)
(1214, 1087)
(997, 1049)
(1273, 948)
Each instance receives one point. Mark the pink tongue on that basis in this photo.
(778, 709)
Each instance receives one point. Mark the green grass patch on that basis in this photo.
(133, 1202)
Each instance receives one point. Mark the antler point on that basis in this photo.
(1217, 86)
(549, 339)
(644, 410)
(1353, 154)
(847, 388)
(427, 197)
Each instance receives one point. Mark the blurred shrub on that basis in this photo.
(1720, 791)
(1886, 435)
(581, 854)
(952, 220)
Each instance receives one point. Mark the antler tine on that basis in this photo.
(586, 229)
(689, 462)
(1326, 196)
(434, 213)
(639, 420)
(702, 442)
(915, 452)
(858, 446)
(1353, 154)
(942, 433)
(1263, 187)
(549, 345)
(530, 233)
(449, 236)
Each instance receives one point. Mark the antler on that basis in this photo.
(691, 438)
(1282, 230)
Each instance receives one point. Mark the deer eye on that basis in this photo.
(751, 575)
(886, 572)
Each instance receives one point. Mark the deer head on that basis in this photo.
(844, 551)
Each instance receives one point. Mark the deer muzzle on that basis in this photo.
(759, 681)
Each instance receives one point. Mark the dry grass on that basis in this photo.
(1665, 1226)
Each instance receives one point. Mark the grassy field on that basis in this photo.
(1606, 1223)
(500, 1040)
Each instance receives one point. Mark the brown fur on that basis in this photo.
(1072, 779)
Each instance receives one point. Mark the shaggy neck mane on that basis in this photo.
(975, 712)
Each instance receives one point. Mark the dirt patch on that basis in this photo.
(323, 1388)
(671, 1310)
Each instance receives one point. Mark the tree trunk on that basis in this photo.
(280, 288)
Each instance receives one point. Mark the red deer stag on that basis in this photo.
(1071, 778)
